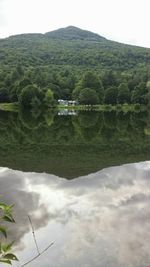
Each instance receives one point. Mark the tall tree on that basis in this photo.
(111, 94)
(49, 98)
(139, 94)
(123, 93)
(88, 96)
(28, 95)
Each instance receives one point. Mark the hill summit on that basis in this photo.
(74, 33)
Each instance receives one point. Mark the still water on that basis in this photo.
(101, 218)
(72, 146)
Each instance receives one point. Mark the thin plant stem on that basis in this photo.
(36, 244)
(37, 255)
(34, 237)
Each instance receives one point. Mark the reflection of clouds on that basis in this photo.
(135, 199)
(14, 190)
(99, 220)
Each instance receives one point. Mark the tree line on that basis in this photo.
(33, 87)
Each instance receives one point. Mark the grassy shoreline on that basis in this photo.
(109, 108)
(14, 107)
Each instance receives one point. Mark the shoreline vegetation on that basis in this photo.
(119, 107)
(15, 107)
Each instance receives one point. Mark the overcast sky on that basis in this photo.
(126, 21)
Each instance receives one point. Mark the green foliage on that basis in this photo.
(148, 85)
(49, 98)
(5, 248)
(123, 93)
(35, 102)
(4, 95)
(76, 92)
(139, 94)
(88, 96)
(109, 78)
(73, 33)
(137, 107)
(111, 95)
(91, 80)
(30, 96)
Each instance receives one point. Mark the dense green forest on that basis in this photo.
(71, 63)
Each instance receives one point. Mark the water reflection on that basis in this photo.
(81, 144)
(99, 220)
(67, 112)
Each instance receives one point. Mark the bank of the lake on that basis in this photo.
(119, 107)
(9, 107)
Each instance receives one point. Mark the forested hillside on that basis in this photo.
(67, 62)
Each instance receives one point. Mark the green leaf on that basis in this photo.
(6, 208)
(6, 247)
(3, 231)
(10, 256)
(6, 261)
(3, 206)
(8, 218)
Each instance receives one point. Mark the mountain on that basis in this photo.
(59, 59)
(74, 33)
(73, 47)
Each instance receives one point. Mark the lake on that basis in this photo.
(83, 178)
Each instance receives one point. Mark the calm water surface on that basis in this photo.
(101, 218)
(73, 145)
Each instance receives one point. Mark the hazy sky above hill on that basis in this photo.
(125, 21)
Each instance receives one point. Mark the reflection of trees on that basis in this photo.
(87, 125)
(110, 120)
(10, 131)
(63, 130)
(108, 131)
(122, 123)
(88, 119)
(30, 119)
(137, 125)
(40, 140)
(28, 127)
(147, 123)
(49, 118)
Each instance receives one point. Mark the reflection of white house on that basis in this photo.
(67, 112)
(67, 102)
